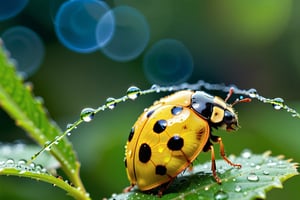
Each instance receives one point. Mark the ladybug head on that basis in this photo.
(224, 117)
(216, 110)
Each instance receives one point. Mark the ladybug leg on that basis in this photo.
(163, 187)
(213, 164)
(128, 189)
(222, 152)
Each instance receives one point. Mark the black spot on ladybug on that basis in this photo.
(144, 153)
(150, 113)
(175, 143)
(125, 162)
(160, 170)
(176, 110)
(131, 134)
(160, 126)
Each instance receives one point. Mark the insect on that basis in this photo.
(169, 135)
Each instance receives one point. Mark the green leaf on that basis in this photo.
(259, 174)
(18, 101)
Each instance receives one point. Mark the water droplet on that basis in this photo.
(271, 163)
(206, 188)
(221, 195)
(22, 162)
(133, 92)
(56, 140)
(277, 103)
(252, 177)
(87, 114)
(47, 146)
(10, 162)
(252, 93)
(39, 168)
(238, 188)
(69, 126)
(281, 164)
(69, 134)
(246, 154)
(111, 102)
(32, 165)
(265, 172)
(155, 87)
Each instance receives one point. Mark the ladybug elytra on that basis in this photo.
(170, 134)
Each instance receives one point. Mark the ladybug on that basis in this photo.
(169, 135)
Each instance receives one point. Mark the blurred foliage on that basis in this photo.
(252, 45)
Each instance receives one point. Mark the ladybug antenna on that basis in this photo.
(241, 100)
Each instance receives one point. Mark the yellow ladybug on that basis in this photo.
(169, 135)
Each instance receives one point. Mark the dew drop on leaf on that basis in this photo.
(246, 154)
(252, 177)
(238, 188)
(87, 114)
(265, 172)
(21, 162)
(220, 195)
(10, 162)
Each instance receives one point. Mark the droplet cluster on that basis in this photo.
(22, 166)
(133, 92)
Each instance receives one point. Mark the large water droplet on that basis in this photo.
(111, 102)
(133, 92)
(278, 103)
(252, 177)
(87, 114)
(221, 195)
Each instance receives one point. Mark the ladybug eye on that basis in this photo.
(229, 117)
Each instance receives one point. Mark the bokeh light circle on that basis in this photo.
(26, 47)
(130, 37)
(10, 8)
(168, 62)
(80, 27)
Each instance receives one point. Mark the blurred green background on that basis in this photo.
(253, 44)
